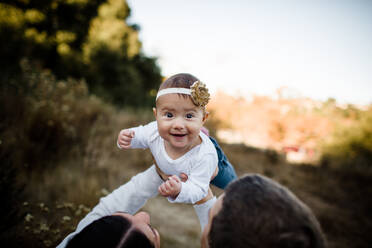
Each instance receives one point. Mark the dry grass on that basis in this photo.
(57, 197)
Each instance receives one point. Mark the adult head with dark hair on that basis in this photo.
(120, 230)
(257, 212)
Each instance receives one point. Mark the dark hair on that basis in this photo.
(258, 212)
(110, 231)
(181, 80)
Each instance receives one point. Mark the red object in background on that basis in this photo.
(291, 149)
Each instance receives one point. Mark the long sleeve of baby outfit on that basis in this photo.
(129, 198)
(202, 211)
(142, 135)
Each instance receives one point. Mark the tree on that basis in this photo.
(79, 38)
(117, 69)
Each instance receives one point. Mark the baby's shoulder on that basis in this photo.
(153, 134)
(151, 129)
(151, 125)
(207, 148)
(148, 132)
(207, 145)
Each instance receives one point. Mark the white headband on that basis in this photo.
(172, 91)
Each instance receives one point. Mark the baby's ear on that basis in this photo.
(154, 111)
(205, 117)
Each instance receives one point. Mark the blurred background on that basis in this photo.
(291, 87)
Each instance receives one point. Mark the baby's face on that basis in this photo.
(179, 121)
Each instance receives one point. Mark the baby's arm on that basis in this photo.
(136, 137)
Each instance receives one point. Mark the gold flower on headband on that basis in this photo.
(199, 94)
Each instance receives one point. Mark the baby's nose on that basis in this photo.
(178, 123)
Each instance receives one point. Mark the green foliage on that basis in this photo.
(79, 39)
(36, 28)
(9, 191)
(43, 121)
(117, 70)
(45, 117)
(123, 82)
(108, 31)
(352, 144)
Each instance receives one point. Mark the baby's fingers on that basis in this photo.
(126, 134)
(162, 190)
(169, 185)
(131, 133)
(124, 144)
(172, 184)
(174, 178)
(125, 138)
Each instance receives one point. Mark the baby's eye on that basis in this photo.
(169, 115)
(189, 116)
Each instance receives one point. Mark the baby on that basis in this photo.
(175, 140)
(184, 156)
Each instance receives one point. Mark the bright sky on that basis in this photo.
(318, 48)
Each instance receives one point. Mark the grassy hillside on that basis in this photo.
(55, 199)
(59, 156)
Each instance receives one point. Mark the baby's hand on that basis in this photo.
(125, 138)
(171, 187)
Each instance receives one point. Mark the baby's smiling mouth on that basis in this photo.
(178, 135)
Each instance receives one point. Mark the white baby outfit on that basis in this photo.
(199, 163)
